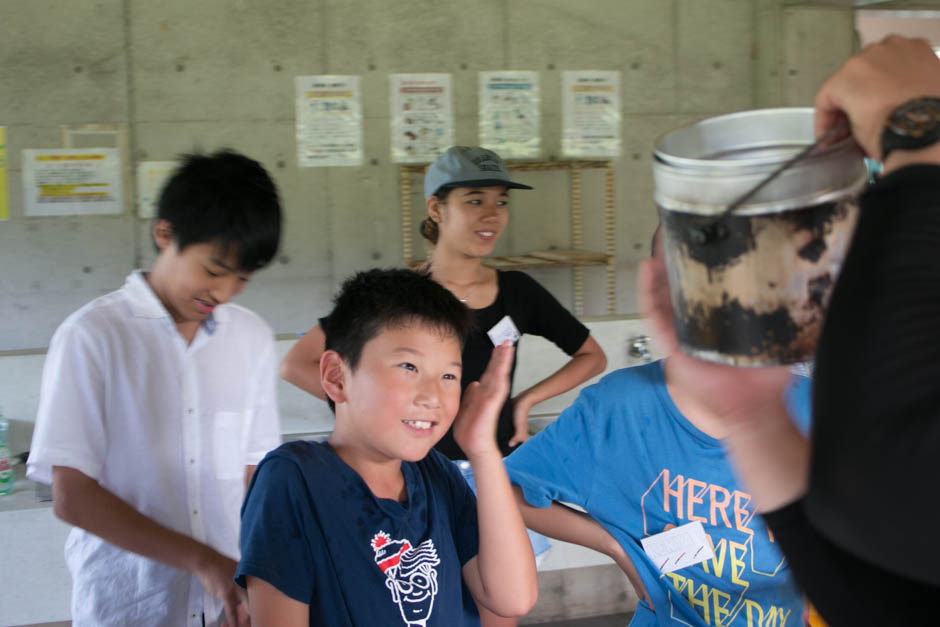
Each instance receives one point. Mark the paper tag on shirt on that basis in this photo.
(504, 330)
(679, 547)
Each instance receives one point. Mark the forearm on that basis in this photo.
(505, 561)
(568, 525)
(306, 376)
(80, 500)
(771, 456)
(301, 365)
(586, 363)
(270, 606)
(564, 523)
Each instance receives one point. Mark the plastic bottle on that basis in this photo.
(6, 467)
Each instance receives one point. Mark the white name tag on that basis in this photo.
(679, 547)
(503, 330)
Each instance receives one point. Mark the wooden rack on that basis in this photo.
(575, 257)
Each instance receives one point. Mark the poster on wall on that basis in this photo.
(329, 121)
(509, 113)
(422, 116)
(590, 114)
(4, 202)
(151, 175)
(71, 181)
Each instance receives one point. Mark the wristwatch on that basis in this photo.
(914, 124)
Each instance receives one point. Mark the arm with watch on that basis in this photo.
(856, 517)
(863, 554)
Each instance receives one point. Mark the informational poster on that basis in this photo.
(590, 114)
(71, 181)
(422, 116)
(329, 121)
(151, 175)
(509, 113)
(4, 197)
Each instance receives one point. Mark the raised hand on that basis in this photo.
(872, 83)
(475, 425)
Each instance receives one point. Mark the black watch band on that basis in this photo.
(915, 124)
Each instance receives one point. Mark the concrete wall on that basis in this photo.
(175, 75)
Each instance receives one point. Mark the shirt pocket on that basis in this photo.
(227, 447)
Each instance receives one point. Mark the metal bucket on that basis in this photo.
(756, 294)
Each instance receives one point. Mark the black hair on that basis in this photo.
(429, 228)
(372, 301)
(227, 199)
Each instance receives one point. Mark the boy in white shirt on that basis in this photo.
(157, 401)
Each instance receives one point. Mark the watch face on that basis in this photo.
(916, 118)
(913, 125)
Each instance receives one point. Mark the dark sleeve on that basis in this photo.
(540, 313)
(876, 405)
(844, 589)
(274, 533)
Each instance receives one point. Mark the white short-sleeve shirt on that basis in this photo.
(165, 426)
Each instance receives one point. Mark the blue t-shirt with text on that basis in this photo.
(625, 454)
(312, 528)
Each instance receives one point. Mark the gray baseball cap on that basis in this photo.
(467, 166)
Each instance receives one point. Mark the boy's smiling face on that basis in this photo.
(403, 395)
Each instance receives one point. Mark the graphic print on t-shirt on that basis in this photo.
(411, 575)
(719, 589)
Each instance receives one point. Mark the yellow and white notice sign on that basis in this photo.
(72, 181)
(151, 177)
(4, 198)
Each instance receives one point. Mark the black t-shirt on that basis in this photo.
(534, 311)
(867, 526)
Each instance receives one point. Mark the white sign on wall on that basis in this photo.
(72, 181)
(509, 113)
(329, 121)
(590, 114)
(422, 116)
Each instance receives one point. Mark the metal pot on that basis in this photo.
(756, 294)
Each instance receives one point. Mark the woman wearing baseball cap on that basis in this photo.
(466, 191)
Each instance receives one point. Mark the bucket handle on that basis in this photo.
(716, 230)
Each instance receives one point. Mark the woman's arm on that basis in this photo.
(587, 361)
(569, 525)
(270, 606)
(301, 365)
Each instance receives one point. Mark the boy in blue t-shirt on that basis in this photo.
(373, 527)
(640, 459)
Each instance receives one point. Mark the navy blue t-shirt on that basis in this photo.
(312, 528)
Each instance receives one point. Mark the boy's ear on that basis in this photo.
(333, 376)
(162, 234)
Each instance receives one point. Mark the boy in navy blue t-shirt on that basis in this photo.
(374, 527)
